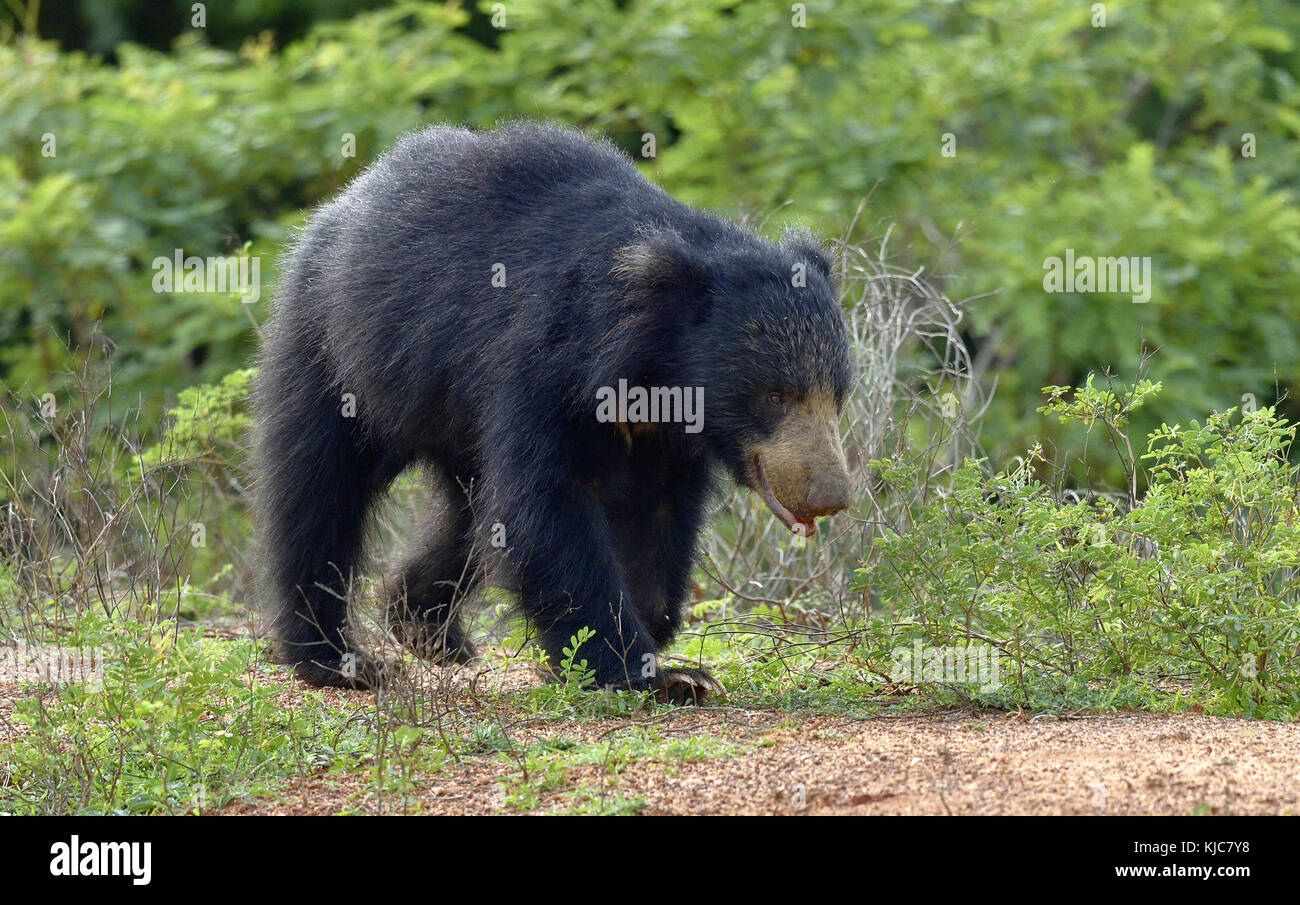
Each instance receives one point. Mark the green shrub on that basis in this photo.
(1191, 591)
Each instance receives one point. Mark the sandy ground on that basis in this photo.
(928, 763)
(936, 762)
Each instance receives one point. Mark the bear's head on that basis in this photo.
(759, 327)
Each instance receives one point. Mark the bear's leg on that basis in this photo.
(570, 580)
(571, 576)
(314, 489)
(657, 536)
(558, 540)
(658, 541)
(433, 581)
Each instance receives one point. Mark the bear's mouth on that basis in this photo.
(804, 527)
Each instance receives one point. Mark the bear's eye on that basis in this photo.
(776, 398)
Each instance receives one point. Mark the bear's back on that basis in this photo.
(456, 247)
(505, 172)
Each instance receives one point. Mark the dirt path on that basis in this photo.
(731, 760)
(933, 763)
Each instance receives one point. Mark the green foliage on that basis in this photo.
(1192, 592)
(201, 458)
(177, 724)
(1118, 140)
(1090, 406)
(574, 672)
(538, 775)
(209, 426)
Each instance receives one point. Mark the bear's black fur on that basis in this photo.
(388, 306)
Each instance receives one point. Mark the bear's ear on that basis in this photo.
(805, 248)
(662, 261)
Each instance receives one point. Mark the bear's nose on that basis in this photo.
(827, 495)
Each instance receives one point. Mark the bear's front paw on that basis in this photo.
(684, 685)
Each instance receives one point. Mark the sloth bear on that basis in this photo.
(473, 304)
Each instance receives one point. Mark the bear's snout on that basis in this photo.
(828, 493)
(801, 470)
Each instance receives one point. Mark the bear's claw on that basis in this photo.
(684, 685)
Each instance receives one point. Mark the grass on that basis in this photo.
(183, 721)
(187, 722)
